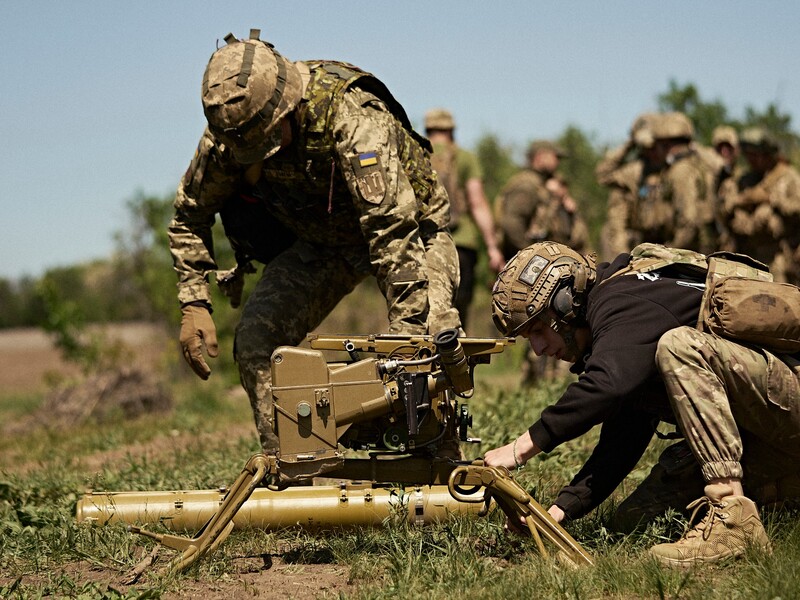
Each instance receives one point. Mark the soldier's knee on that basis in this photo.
(251, 345)
(678, 344)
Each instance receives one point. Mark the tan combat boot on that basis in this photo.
(727, 529)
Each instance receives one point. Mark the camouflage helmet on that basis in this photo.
(724, 134)
(642, 130)
(545, 275)
(439, 118)
(247, 89)
(760, 140)
(672, 125)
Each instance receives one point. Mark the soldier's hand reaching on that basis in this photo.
(198, 332)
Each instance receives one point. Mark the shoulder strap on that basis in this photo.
(649, 257)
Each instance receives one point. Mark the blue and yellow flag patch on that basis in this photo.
(367, 159)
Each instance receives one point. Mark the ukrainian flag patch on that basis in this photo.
(367, 159)
(370, 178)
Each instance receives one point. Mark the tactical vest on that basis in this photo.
(445, 163)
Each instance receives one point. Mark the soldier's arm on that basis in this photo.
(785, 196)
(482, 215)
(200, 195)
(612, 161)
(369, 154)
(618, 223)
(519, 205)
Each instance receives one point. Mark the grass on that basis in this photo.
(45, 553)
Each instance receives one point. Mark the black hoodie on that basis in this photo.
(619, 385)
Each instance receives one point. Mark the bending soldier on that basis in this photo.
(316, 172)
(630, 332)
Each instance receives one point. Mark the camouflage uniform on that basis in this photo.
(675, 206)
(763, 215)
(356, 191)
(623, 170)
(518, 202)
(737, 405)
(530, 213)
(624, 184)
(666, 199)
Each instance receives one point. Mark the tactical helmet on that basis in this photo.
(439, 118)
(724, 134)
(759, 139)
(545, 275)
(672, 125)
(642, 130)
(247, 89)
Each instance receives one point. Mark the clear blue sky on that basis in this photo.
(101, 100)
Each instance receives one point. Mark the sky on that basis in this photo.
(100, 101)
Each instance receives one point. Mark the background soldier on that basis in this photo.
(316, 172)
(523, 194)
(536, 205)
(725, 142)
(764, 212)
(471, 221)
(623, 171)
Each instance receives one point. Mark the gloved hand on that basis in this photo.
(231, 282)
(197, 331)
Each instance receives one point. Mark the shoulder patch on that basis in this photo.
(369, 176)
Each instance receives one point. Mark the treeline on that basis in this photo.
(138, 283)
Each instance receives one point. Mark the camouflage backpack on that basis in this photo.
(740, 300)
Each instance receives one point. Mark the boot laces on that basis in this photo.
(706, 524)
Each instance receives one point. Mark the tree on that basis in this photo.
(578, 169)
(707, 115)
(686, 99)
(496, 162)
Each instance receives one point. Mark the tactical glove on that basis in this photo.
(197, 330)
(231, 282)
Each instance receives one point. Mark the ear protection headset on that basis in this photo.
(569, 300)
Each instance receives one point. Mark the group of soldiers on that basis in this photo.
(317, 174)
(665, 187)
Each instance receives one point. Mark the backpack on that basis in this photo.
(740, 301)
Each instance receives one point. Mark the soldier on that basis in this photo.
(679, 211)
(316, 172)
(536, 205)
(764, 213)
(471, 221)
(625, 171)
(629, 328)
(725, 142)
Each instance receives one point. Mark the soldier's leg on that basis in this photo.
(721, 391)
(293, 296)
(442, 268)
(673, 482)
(467, 258)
